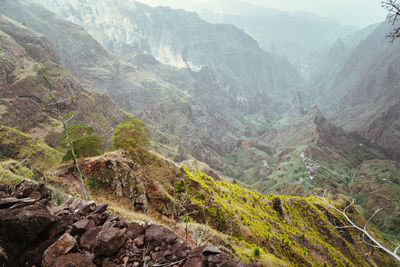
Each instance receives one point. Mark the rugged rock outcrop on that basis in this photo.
(35, 231)
(24, 103)
(359, 88)
(115, 171)
(180, 39)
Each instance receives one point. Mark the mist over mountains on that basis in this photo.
(278, 103)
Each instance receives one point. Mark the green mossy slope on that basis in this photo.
(19, 146)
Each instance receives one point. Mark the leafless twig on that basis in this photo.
(364, 230)
(393, 8)
(167, 264)
(63, 121)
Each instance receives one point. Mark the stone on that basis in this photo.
(139, 241)
(156, 255)
(11, 201)
(72, 259)
(82, 226)
(61, 247)
(88, 239)
(26, 189)
(135, 230)
(100, 208)
(98, 218)
(60, 225)
(203, 255)
(109, 240)
(156, 234)
(210, 249)
(24, 223)
(167, 253)
(109, 263)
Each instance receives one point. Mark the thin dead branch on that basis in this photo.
(372, 241)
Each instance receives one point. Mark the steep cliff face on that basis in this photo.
(361, 93)
(297, 36)
(205, 113)
(23, 102)
(180, 39)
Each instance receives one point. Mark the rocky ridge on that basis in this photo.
(35, 231)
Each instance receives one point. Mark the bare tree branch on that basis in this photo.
(63, 121)
(364, 231)
(393, 8)
(365, 226)
(397, 249)
(70, 118)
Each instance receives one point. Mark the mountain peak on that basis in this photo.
(298, 104)
(315, 111)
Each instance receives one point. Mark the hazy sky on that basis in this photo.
(355, 12)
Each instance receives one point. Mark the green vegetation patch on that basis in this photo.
(295, 232)
(17, 145)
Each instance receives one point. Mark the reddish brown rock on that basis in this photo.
(139, 241)
(109, 240)
(73, 259)
(210, 256)
(88, 239)
(61, 247)
(29, 230)
(157, 234)
(29, 189)
(82, 226)
(135, 230)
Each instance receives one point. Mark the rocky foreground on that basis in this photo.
(37, 232)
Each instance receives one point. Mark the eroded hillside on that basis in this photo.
(213, 101)
(286, 230)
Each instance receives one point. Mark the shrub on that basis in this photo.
(93, 183)
(179, 187)
(84, 142)
(132, 136)
(256, 252)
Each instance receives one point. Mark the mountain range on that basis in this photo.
(212, 95)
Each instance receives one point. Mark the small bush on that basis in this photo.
(257, 252)
(179, 187)
(132, 136)
(85, 143)
(93, 183)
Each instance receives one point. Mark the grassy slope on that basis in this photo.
(341, 162)
(236, 219)
(17, 145)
